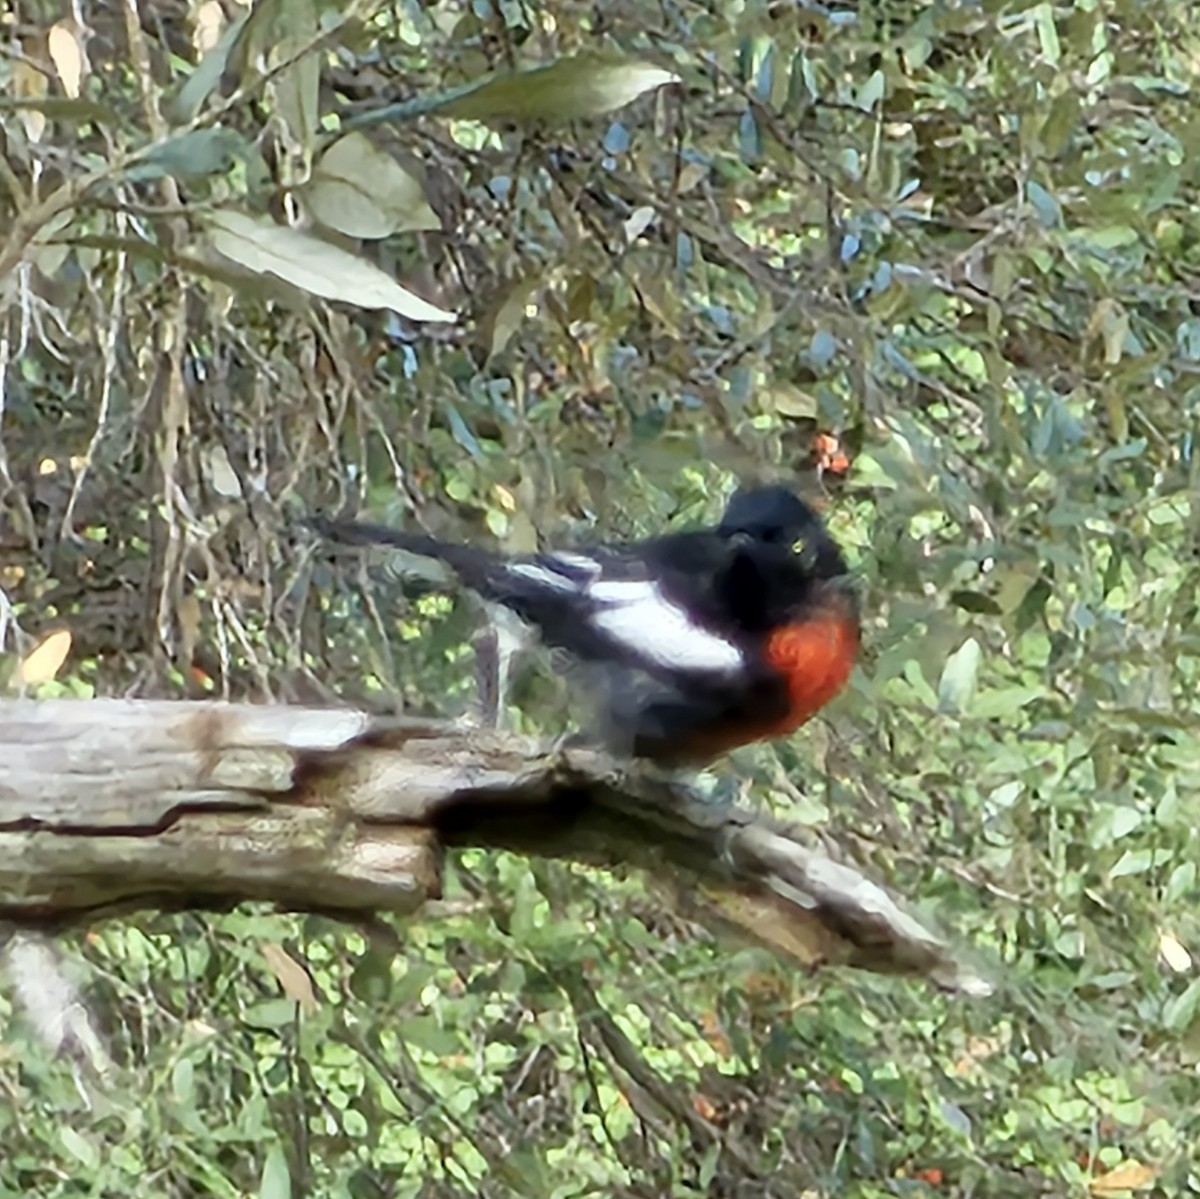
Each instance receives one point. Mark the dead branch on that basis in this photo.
(114, 803)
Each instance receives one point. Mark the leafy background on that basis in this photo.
(960, 239)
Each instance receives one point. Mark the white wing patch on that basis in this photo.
(579, 562)
(542, 575)
(632, 612)
(560, 572)
(636, 614)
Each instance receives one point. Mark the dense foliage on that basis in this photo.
(953, 243)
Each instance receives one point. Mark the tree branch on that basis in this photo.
(114, 803)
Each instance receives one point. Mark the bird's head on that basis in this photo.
(777, 519)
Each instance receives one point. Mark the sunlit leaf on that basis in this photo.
(1047, 32)
(1180, 1010)
(799, 405)
(207, 74)
(83, 1149)
(507, 316)
(292, 976)
(183, 1082)
(1173, 954)
(209, 21)
(295, 86)
(45, 660)
(872, 91)
(63, 46)
(362, 191)
(1132, 861)
(276, 1181)
(1133, 1176)
(957, 684)
(1182, 880)
(315, 266)
(219, 472)
(586, 85)
(28, 83)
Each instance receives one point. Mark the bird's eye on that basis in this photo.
(799, 545)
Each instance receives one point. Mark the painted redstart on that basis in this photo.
(709, 639)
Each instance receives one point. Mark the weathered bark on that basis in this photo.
(130, 803)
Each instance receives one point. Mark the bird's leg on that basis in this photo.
(488, 681)
(496, 646)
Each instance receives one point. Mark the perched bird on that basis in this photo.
(708, 639)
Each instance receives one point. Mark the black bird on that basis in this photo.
(710, 639)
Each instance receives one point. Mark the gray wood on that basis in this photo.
(118, 803)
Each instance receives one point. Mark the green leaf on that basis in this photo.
(872, 91)
(1047, 33)
(586, 85)
(81, 1148)
(914, 675)
(276, 1180)
(1112, 822)
(1132, 861)
(199, 152)
(506, 316)
(955, 1118)
(362, 191)
(183, 1082)
(1112, 980)
(295, 88)
(1181, 882)
(1180, 1010)
(1044, 204)
(271, 1013)
(1004, 702)
(207, 75)
(1171, 511)
(526, 900)
(426, 1033)
(1061, 123)
(461, 432)
(975, 601)
(63, 108)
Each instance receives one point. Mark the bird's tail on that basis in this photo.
(474, 567)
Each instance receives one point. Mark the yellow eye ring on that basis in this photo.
(799, 545)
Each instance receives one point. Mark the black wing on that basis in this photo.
(631, 604)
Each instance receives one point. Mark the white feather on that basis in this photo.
(563, 580)
(542, 576)
(636, 614)
(580, 562)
